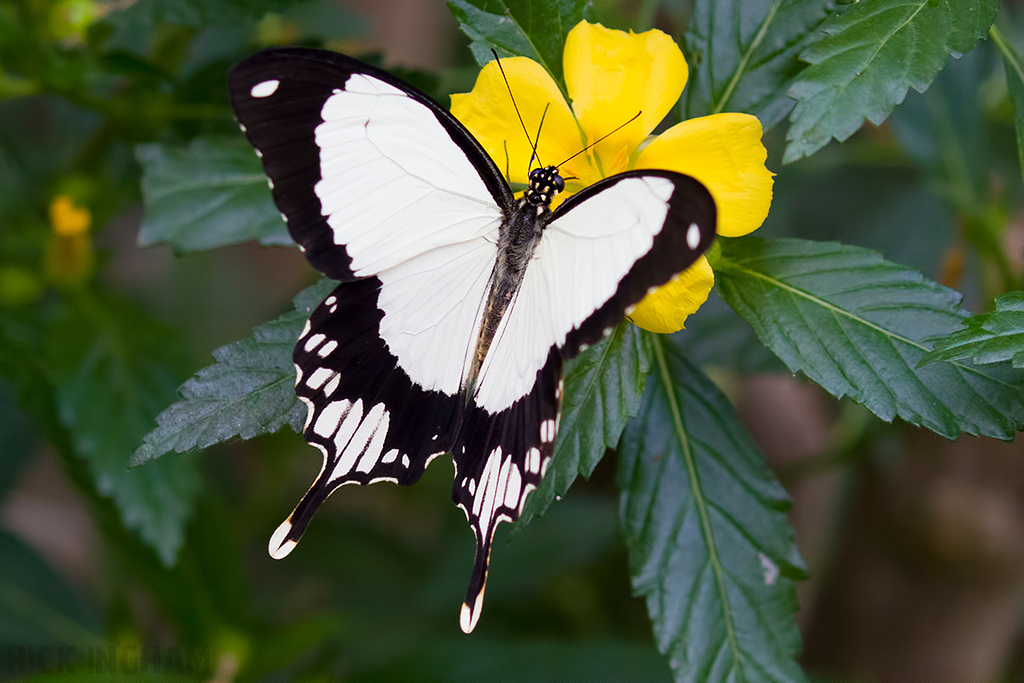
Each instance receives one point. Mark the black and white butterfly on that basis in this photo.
(458, 303)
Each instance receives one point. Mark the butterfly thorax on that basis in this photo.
(517, 240)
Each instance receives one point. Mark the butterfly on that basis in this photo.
(458, 303)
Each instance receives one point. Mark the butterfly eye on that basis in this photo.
(559, 183)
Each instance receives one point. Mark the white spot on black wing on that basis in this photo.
(547, 431)
(327, 348)
(693, 236)
(265, 89)
(313, 342)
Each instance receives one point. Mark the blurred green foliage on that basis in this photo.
(108, 106)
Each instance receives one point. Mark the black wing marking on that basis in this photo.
(280, 96)
(499, 459)
(674, 249)
(367, 418)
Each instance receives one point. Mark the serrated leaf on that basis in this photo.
(209, 194)
(249, 391)
(602, 389)
(527, 28)
(871, 55)
(1015, 85)
(121, 372)
(744, 56)
(857, 325)
(710, 547)
(989, 338)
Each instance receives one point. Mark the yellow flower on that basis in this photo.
(69, 256)
(610, 77)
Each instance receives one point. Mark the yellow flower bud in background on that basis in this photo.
(69, 255)
(68, 219)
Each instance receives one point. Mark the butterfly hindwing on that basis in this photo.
(370, 421)
(516, 445)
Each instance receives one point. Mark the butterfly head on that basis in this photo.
(545, 183)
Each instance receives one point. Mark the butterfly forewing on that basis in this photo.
(355, 157)
(385, 191)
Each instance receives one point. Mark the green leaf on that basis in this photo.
(602, 389)
(948, 134)
(857, 325)
(743, 56)
(989, 337)
(249, 391)
(710, 547)
(715, 335)
(209, 194)
(870, 56)
(37, 606)
(1015, 84)
(528, 28)
(17, 436)
(115, 371)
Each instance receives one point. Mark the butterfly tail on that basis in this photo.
(288, 534)
(473, 604)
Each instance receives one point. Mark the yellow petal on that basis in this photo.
(724, 152)
(666, 309)
(611, 76)
(487, 111)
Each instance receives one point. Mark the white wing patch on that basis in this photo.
(432, 311)
(414, 211)
(497, 482)
(358, 438)
(388, 195)
(577, 267)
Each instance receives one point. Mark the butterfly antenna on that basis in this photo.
(534, 154)
(635, 117)
(521, 122)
